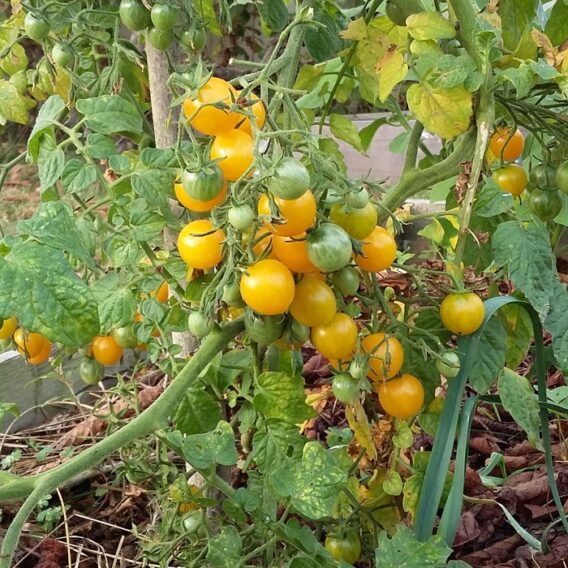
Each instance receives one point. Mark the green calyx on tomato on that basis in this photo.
(542, 176)
(62, 54)
(345, 388)
(90, 371)
(199, 324)
(329, 247)
(299, 332)
(291, 179)
(346, 546)
(263, 329)
(346, 281)
(241, 216)
(164, 16)
(562, 177)
(357, 223)
(545, 204)
(134, 15)
(37, 27)
(203, 185)
(125, 337)
(161, 39)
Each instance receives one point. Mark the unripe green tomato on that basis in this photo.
(134, 15)
(389, 293)
(164, 16)
(263, 329)
(448, 364)
(195, 38)
(125, 337)
(192, 521)
(199, 324)
(91, 371)
(345, 388)
(346, 281)
(357, 369)
(161, 39)
(545, 204)
(299, 332)
(232, 294)
(357, 199)
(561, 177)
(542, 176)
(241, 217)
(62, 55)
(37, 27)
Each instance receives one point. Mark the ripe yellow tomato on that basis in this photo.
(293, 252)
(197, 205)
(314, 302)
(233, 149)
(337, 339)
(386, 355)
(43, 355)
(462, 312)
(8, 328)
(200, 244)
(263, 239)
(296, 215)
(258, 110)
(106, 350)
(268, 287)
(402, 397)
(379, 251)
(511, 178)
(201, 113)
(512, 148)
(30, 343)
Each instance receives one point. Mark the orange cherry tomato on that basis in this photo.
(511, 149)
(30, 343)
(106, 350)
(233, 149)
(197, 205)
(200, 244)
(379, 251)
(201, 113)
(162, 293)
(268, 287)
(258, 110)
(293, 252)
(43, 355)
(511, 178)
(8, 327)
(296, 215)
(402, 397)
(337, 339)
(262, 240)
(386, 355)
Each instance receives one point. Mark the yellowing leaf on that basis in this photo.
(372, 48)
(357, 420)
(62, 83)
(426, 47)
(446, 112)
(13, 106)
(356, 30)
(548, 50)
(430, 25)
(397, 34)
(392, 70)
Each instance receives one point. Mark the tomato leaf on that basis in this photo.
(490, 356)
(274, 13)
(197, 413)
(519, 333)
(224, 549)
(109, 114)
(343, 128)
(516, 16)
(430, 25)
(359, 423)
(392, 70)
(117, 304)
(492, 201)
(557, 25)
(276, 442)
(51, 161)
(78, 175)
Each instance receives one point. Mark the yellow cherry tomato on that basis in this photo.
(8, 328)
(314, 302)
(295, 215)
(402, 397)
(200, 244)
(386, 355)
(233, 149)
(462, 312)
(379, 251)
(337, 339)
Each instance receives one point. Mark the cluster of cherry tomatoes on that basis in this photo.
(33, 346)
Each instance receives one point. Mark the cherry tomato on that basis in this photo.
(43, 355)
(8, 327)
(402, 397)
(345, 388)
(268, 287)
(106, 350)
(232, 294)
(562, 177)
(511, 149)
(545, 203)
(511, 179)
(125, 337)
(240, 217)
(386, 355)
(295, 215)
(314, 302)
(293, 252)
(357, 223)
(203, 185)
(134, 15)
(448, 364)
(37, 27)
(200, 244)
(357, 199)
(542, 176)
(346, 281)
(201, 113)
(329, 247)
(29, 343)
(379, 251)
(259, 111)
(233, 149)
(299, 332)
(263, 329)
(398, 11)
(62, 54)
(161, 39)
(197, 205)
(291, 179)
(462, 312)
(162, 293)
(199, 324)
(345, 547)
(164, 16)
(194, 38)
(337, 339)
(263, 241)
(91, 371)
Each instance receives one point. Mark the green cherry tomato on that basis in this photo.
(199, 324)
(357, 369)
(291, 179)
(125, 337)
(542, 176)
(263, 329)
(399, 10)
(62, 55)
(194, 38)
(134, 15)
(562, 177)
(203, 185)
(545, 204)
(91, 371)
(329, 247)
(299, 332)
(357, 199)
(232, 294)
(161, 39)
(357, 223)
(37, 27)
(448, 364)
(164, 16)
(241, 216)
(346, 547)
(346, 281)
(345, 388)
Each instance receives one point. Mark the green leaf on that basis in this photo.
(109, 114)
(367, 134)
(490, 356)
(525, 249)
(100, 147)
(392, 485)
(334, 154)
(516, 16)
(430, 25)
(276, 442)
(324, 41)
(51, 162)
(282, 397)
(146, 224)
(197, 413)
(557, 323)
(224, 549)
(521, 78)
(521, 402)
(158, 158)
(446, 112)
(39, 287)
(430, 418)
(120, 164)
(313, 485)
(403, 550)
(154, 185)
(557, 25)
(50, 112)
(343, 128)
(117, 303)
(124, 251)
(78, 175)
(492, 201)
(274, 13)
(53, 224)
(519, 333)
(13, 106)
